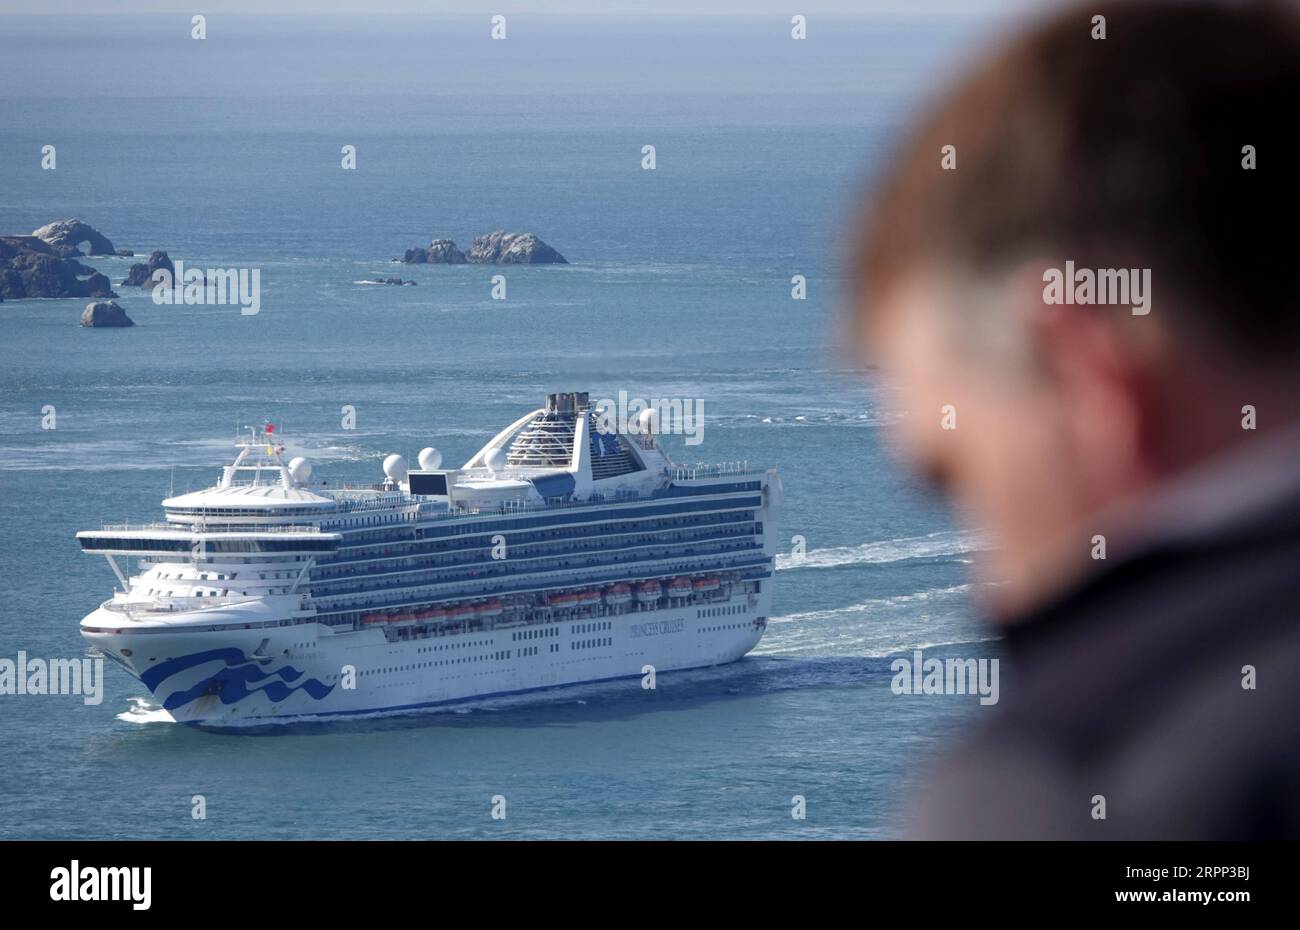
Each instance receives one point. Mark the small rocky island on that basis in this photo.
(30, 267)
(496, 248)
(503, 248)
(438, 252)
(141, 274)
(105, 313)
(64, 237)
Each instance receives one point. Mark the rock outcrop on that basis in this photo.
(30, 267)
(141, 274)
(496, 248)
(105, 313)
(438, 252)
(504, 248)
(395, 282)
(64, 237)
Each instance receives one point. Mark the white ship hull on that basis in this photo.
(237, 677)
(560, 553)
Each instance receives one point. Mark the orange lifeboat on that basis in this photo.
(618, 593)
(403, 620)
(649, 591)
(588, 597)
(374, 619)
(488, 609)
(462, 612)
(436, 614)
(707, 583)
(564, 599)
(679, 587)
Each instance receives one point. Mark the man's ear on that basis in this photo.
(1094, 382)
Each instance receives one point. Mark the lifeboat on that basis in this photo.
(403, 620)
(436, 614)
(618, 594)
(707, 583)
(564, 599)
(679, 587)
(374, 619)
(649, 591)
(588, 597)
(488, 609)
(462, 612)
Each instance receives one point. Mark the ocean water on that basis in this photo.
(679, 287)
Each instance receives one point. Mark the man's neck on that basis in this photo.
(1211, 495)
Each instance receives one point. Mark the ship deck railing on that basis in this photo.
(190, 526)
(423, 511)
(190, 605)
(680, 473)
(713, 470)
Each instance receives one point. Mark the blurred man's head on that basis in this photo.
(1164, 152)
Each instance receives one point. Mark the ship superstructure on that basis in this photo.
(561, 552)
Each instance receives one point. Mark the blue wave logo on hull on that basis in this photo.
(231, 684)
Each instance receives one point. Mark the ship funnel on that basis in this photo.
(567, 404)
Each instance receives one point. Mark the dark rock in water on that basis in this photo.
(439, 252)
(64, 237)
(503, 248)
(396, 282)
(444, 252)
(105, 313)
(30, 267)
(141, 275)
(497, 248)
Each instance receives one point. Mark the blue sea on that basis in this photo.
(679, 285)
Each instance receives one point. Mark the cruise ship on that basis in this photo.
(562, 552)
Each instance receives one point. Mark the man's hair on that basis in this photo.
(1122, 152)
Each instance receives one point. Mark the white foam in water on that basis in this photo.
(952, 542)
(144, 710)
(893, 649)
(114, 455)
(868, 605)
(879, 626)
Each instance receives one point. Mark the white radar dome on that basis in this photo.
(299, 469)
(395, 468)
(430, 458)
(495, 460)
